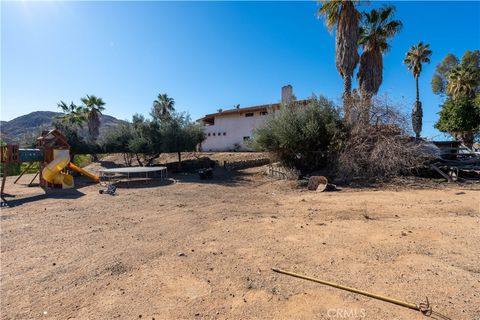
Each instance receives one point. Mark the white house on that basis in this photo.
(228, 130)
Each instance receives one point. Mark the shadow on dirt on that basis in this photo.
(107, 164)
(220, 176)
(50, 194)
(142, 183)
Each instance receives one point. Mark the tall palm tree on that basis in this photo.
(463, 80)
(162, 106)
(346, 18)
(377, 29)
(418, 54)
(93, 108)
(72, 114)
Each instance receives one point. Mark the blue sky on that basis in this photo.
(206, 55)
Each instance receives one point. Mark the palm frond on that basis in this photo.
(62, 105)
(330, 11)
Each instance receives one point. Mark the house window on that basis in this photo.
(219, 134)
(209, 134)
(249, 114)
(246, 138)
(214, 134)
(263, 113)
(224, 133)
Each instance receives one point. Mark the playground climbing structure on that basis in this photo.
(52, 152)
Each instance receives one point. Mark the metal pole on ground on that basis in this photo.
(424, 308)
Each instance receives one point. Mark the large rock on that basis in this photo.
(318, 183)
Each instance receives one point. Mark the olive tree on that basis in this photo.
(301, 136)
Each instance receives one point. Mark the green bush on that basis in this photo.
(33, 169)
(460, 117)
(13, 169)
(303, 137)
(82, 160)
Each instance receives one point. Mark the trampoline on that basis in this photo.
(155, 172)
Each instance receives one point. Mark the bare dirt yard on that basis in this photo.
(204, 249)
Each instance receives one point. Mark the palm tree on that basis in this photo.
(162, 106)
(377, 29)
(346, 18)
(462, 80)
(93, 108)
(418, 54)
(72, 114)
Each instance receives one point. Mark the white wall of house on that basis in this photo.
(231, 129)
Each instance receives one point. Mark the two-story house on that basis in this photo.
(228, 130)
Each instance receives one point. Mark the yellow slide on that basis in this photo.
(83, 172)
(52, 171)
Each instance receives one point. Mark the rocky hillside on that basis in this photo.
(25, 128)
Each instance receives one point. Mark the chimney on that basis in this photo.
(287, 94)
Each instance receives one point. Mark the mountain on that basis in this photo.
(24, 129)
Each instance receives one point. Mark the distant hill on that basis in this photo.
(25, 128)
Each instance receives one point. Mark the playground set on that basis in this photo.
(52, 152)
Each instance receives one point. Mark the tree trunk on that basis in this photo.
(417, 112)
(138, 160)
(365, 108)
(347, 99)
(417, 115)
(467, 138)
(127, 159)
(150, 160)
(418, 91)
(179, 160)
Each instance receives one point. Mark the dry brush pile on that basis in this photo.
(380, 150)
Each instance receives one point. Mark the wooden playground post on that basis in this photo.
(4, 177)
(36, 174)
(23, 172)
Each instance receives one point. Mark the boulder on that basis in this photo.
(318, 183)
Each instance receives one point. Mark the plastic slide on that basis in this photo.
(83, 172)
(52, 171)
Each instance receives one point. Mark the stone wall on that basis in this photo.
(282, 173)
(244, 164)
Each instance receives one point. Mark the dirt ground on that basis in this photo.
(196, 249)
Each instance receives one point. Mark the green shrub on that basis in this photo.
(33, 169)
(303, 137)
(460, 117)
(82, 160)
(13, 169)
